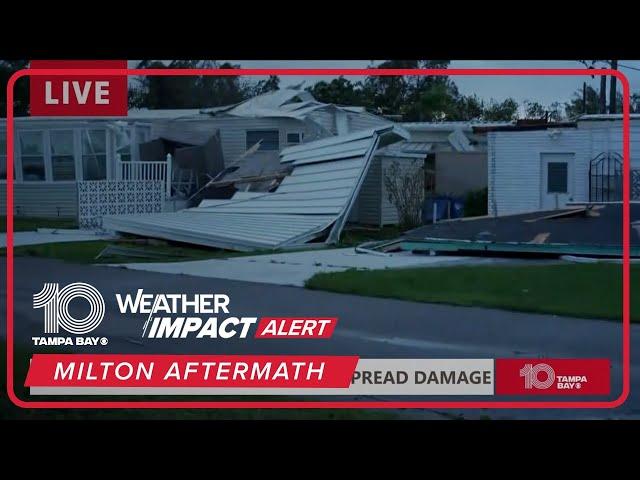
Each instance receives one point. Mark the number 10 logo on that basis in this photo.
(56, 307)
(531, 374)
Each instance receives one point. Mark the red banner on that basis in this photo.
(280, 371)
(78, 95)
(535, 376)
(296, 327)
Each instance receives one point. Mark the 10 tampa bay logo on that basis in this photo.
(55, 303)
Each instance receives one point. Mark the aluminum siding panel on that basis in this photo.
(39, 199)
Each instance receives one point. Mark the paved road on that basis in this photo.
(368, 327)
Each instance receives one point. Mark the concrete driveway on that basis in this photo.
(294, 268)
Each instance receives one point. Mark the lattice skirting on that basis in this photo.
(98, 198)
(635, 184)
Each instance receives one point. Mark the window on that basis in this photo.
(63, 166)
(94, 154)
(270, 139)
(123, 143)
(3, 155)
(32, 156)
(294, 137)
(557, 177)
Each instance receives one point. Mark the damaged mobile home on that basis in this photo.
(181, 149)
(158, 161)
(312, 203)
(552, 165)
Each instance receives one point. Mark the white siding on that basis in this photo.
(40, 199)
(363, 121)
(368, 207)
(232, 131)
(514, 161)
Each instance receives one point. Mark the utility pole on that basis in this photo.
(603, 94)
(584, 97)
(612, 92)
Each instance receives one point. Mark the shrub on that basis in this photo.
(475, 203)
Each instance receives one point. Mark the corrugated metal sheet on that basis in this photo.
(231, 231)
(318, 195)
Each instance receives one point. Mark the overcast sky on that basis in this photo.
(542, 89)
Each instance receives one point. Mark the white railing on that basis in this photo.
(152, 171)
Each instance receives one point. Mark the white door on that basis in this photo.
(557, 180)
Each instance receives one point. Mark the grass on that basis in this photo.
(580, 290)
(30, 224)
(9, 411)
(354, 237)
(86, 252)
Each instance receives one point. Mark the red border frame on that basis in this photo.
(626, 330)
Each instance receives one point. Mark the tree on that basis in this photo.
(339, 91)
(575, 106)
(469, 107)
(415, 97)
(191, 91)
(21, 90)
(265, 86)
(501, 111)
(535, 110)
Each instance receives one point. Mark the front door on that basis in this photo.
(557, 180)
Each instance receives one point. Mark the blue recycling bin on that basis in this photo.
(446, 208)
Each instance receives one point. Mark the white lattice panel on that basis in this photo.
(97, 198)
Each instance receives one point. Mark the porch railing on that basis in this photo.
(152, 171)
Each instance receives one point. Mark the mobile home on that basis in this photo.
(545, 167)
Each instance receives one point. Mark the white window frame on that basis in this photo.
(49, 157)
(246, 134)
(109, 150)
(4, 154)
(297, 132)
(18, 153)
(45, 132)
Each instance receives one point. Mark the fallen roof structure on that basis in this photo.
(596, 225)
(311, 203)
(588, 231)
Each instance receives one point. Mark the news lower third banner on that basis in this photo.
(72, 374)
(85, 361)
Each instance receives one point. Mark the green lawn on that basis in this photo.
(355, 236)
(29, 224)
(10, 411)
(86, 252)
(581, 290)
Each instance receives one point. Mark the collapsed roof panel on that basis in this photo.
(315, 197)
(242, 232)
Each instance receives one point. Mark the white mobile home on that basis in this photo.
(53, 154)
(545, 167)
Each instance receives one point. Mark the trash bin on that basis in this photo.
(445, 207)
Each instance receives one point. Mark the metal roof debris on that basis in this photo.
(313, 201)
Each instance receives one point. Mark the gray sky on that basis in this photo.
(542, 89)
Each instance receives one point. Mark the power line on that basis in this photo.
(629, 67)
